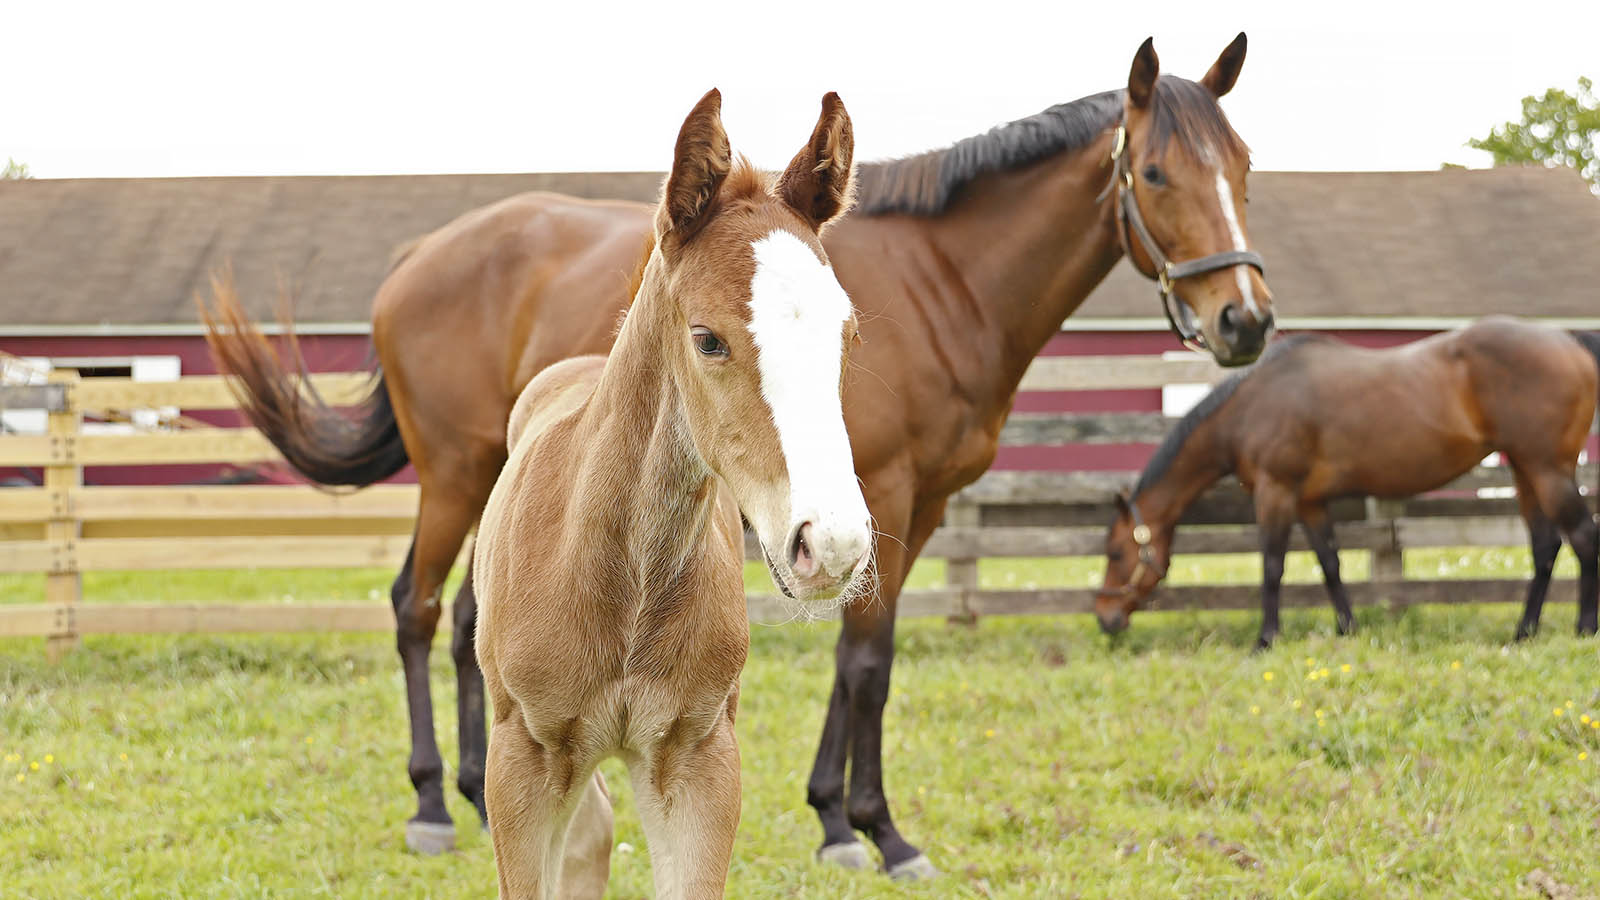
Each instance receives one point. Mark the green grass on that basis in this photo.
(1030, 757)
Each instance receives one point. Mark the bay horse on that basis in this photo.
(962, 264)
(1316, 419)
(609, 562)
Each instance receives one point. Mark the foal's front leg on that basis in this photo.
(688, 796)
(528, 816)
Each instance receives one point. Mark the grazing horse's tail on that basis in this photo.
(321, 443)
(1591, 342)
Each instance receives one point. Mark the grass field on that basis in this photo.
(1030, 757)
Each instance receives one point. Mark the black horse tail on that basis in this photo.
(1591, 342)
(324, 445)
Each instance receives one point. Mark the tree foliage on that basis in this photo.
(14, 169)
(1557, 129)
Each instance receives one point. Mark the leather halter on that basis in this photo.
(1142, 537)
(1167, 273)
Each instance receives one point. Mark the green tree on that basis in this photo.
(14, 169)
(1557, 129)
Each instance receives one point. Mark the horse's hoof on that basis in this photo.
(852, 855)
(430, 838)
(917, 868)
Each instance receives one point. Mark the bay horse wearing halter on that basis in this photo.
(609, 561)
(962, 262)
(1317, 419)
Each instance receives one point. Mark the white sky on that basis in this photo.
(160, 88)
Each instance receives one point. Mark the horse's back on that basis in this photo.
(514, 286)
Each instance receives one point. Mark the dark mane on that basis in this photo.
(926, 184)
(1172, 444)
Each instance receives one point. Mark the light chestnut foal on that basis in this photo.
(609, 560)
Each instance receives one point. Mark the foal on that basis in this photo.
(1316, 419)
(609, 560)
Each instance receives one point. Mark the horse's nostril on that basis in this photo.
(1228, 324)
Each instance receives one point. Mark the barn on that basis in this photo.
(101, 274)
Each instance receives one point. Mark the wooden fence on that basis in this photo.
(64, 528)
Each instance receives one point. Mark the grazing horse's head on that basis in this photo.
(1180, 185)
(1136, 560)
(763, 330)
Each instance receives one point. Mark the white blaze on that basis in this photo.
(1240, 271)
(797, 317)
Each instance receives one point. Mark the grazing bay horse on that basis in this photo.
(1317, 419)
(609, 562)
(962, 264)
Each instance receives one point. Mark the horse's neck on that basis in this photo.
(1029, 245)
(650, 489)
(1204, 457)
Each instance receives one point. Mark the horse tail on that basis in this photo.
(321, 443)
(1590, 341)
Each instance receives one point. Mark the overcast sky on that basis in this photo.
(156, 88)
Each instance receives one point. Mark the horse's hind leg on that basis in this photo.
(473, 739)
(441, 527)
(1544, 539)
(1319, 532)
(1560, 499)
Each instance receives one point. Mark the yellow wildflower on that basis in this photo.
(124, 757)
(309, 738)
(1255, 710)
(49, 758)
(1296, 703)
(989, 733)
(1320, 713)
(1582, 756)
(1322, 673)
(1456, 664)
(1345, 667)
(21, 778)
(1558, 711)
(1310, 663)
(34, 765)
(1584, 718)
(1266, 676)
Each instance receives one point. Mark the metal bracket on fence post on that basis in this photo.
(961, 573)
(63, 585)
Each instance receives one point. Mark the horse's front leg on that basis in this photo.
(1275, 515)
(1319, 532)
(688, 798)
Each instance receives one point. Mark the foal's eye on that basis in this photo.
(1154, 176)
(707, 342)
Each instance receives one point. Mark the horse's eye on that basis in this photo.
(1115, 556)
(707, 342)
(1154, 176)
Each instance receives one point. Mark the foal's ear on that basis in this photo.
(700, 162)
(1225, 71)
(1142, 77)
(819, 183)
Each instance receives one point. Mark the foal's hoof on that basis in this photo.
(852, 855)
(917, 868)
(430, 838)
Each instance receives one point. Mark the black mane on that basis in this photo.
(1172, 444)
(925, 184)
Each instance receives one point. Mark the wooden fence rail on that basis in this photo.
(63, 528)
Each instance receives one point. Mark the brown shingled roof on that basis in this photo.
(134, 251)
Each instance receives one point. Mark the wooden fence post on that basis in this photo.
(63, 584)
(961, 573)
(1388, 561)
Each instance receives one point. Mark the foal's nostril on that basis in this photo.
(802, 552)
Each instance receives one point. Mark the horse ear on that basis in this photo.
(1122, 501)
(1142, 77)
(819, 183)
(1225, 71)
(700, 162)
